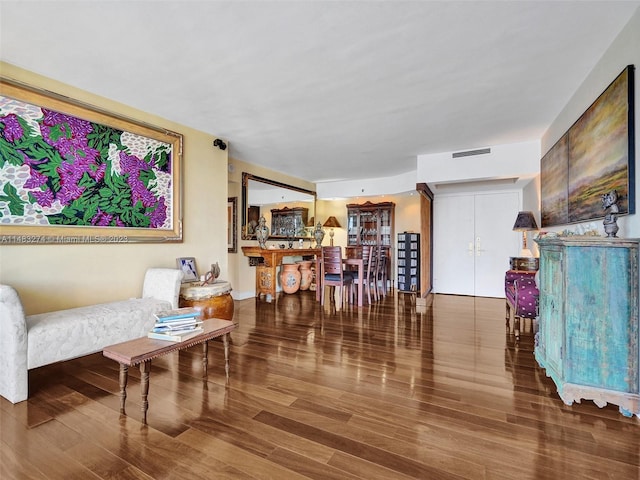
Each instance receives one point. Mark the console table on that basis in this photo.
(266, 280)
(588, 340)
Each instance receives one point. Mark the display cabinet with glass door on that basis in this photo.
(370, 223)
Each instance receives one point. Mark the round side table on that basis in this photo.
(214, 300)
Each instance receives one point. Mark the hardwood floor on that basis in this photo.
(388, 391)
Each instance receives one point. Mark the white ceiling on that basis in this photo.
(331, 90)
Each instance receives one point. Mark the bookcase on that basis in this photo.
(588, 338)
(409, 262)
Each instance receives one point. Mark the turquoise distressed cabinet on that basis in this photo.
(588, 337)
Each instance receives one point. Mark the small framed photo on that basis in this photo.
(188, 267)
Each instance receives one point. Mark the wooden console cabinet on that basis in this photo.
(588, 339)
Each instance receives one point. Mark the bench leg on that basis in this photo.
(225, 341)
(124, 377)
(205, 357)
(145, 368)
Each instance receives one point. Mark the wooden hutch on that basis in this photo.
(372, 224)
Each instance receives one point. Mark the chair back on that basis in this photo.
(381, 273)
(353, 251)
(366, 253)
(373, 261)
(332, 260)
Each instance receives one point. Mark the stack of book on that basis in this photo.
(177, 325)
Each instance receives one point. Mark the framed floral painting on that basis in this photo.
(73, 173)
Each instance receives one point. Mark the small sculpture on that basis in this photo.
(212, 275)
(262, 232)
(318, 234)
(610, 201)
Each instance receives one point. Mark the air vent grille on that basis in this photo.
(469, 153)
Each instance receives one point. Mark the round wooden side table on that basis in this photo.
(214, 300)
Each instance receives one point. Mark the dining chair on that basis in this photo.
(353, 251)
(381, 275)
(334, 274)
(374, 266)
(369, 262)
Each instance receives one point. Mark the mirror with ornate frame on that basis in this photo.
(279, 203)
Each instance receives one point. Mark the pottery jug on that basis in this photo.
(306, 274)
(290, 278)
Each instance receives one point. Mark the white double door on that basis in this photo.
(473, 239)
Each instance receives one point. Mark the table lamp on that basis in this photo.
(524, 223)
(331, 222)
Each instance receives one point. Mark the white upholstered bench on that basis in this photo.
(28, 342)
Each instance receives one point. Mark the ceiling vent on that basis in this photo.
(469, 153)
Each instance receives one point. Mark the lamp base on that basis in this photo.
(525, 252)
(527, 264)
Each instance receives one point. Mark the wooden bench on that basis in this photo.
(142, 350)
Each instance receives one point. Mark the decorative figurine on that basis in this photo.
(211, 276)
(318, 234)
(262, 232)
(610, 201)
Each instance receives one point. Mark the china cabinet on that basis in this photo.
(289, 221)
(588, 338)
(370, 223)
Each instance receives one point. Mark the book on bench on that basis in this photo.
(179, 336)
(177, 325)
(183, 313)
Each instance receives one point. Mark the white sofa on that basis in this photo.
(32, 341)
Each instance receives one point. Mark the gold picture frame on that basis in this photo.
(232, 225)
(74, 173)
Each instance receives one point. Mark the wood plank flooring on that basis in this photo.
(387, 391)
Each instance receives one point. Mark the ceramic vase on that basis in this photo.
(306, 274)
(290, 278)
(318, 234)
(262, 232)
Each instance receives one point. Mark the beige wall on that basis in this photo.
(622, 52)
(406, 219)
(407, 213)
(50, 277)
(240, 274)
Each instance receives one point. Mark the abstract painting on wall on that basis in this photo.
(595, 156)
(553, 184)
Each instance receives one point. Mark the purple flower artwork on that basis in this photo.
(57, 169)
